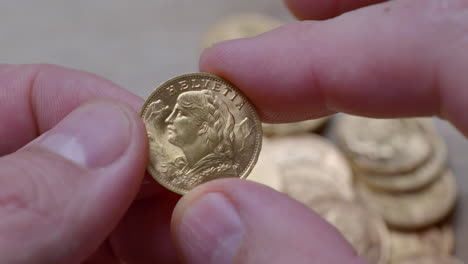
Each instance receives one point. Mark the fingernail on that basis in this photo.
(93, 136)
(210, 230)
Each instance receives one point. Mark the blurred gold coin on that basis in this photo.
(266, 170)
(364, 230)
(293, 128)
(431, 260)
(413, 210)
(425, 174)
(434, 241)
(306, 184)
(200, 128)
(385, 146)
(240, 26)
(309, 161)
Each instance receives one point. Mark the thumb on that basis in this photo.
(234, 221)
(63, 193)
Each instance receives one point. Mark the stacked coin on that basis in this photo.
(384, 224)
(400, 174)
(310, 169)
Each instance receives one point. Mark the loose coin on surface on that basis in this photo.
(413, 210)
(309, 161)
(437, 240)
(240, 26)
(425, 174)
(200, 128)
(293, 128)
(431, 260)
(383, 145)
(363, 229)
(266, 170)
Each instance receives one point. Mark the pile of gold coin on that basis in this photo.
(400, 173)
(385, 187)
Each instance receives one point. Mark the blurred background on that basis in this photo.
(139, 44)
(136, 44)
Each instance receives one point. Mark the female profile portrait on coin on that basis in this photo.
(197, 135)
(202, 126)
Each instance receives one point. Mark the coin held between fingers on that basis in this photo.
(210, 131)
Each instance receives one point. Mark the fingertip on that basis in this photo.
(273, 72)
(233, 219)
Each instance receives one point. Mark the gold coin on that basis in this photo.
(383, 145)
(293, 128)
(413, 210)
(309, 161)
(425, 174)
(266, 171)
(431, 260)
(240, 26)
(364, 230)
(200, 128)
(434, 241)
(307, 185)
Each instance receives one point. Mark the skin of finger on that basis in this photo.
(57, 211)
(54, 92)
(278, 229)
(33, 98)
(103, 255)
(324, 9)
(143, 235)
(379, 61)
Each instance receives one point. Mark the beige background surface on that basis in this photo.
(141, 43)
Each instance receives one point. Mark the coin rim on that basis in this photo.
(342, 125)
(447, 239)
(314, 139)
(366, 195)
(419, 178)
(253, 110)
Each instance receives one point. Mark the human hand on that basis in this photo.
(71, 170)
(396, 59)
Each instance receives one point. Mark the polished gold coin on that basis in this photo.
(200, 128)
(383, 145)
(308, 162)
(435, 241)
(413, 210)
(293, 128)
(364, 230)
(266, 170)
(431, 260)
(425, 174)
(240, 26)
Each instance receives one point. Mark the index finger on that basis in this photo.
(397, 59)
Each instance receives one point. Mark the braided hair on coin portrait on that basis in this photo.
(202, 126)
